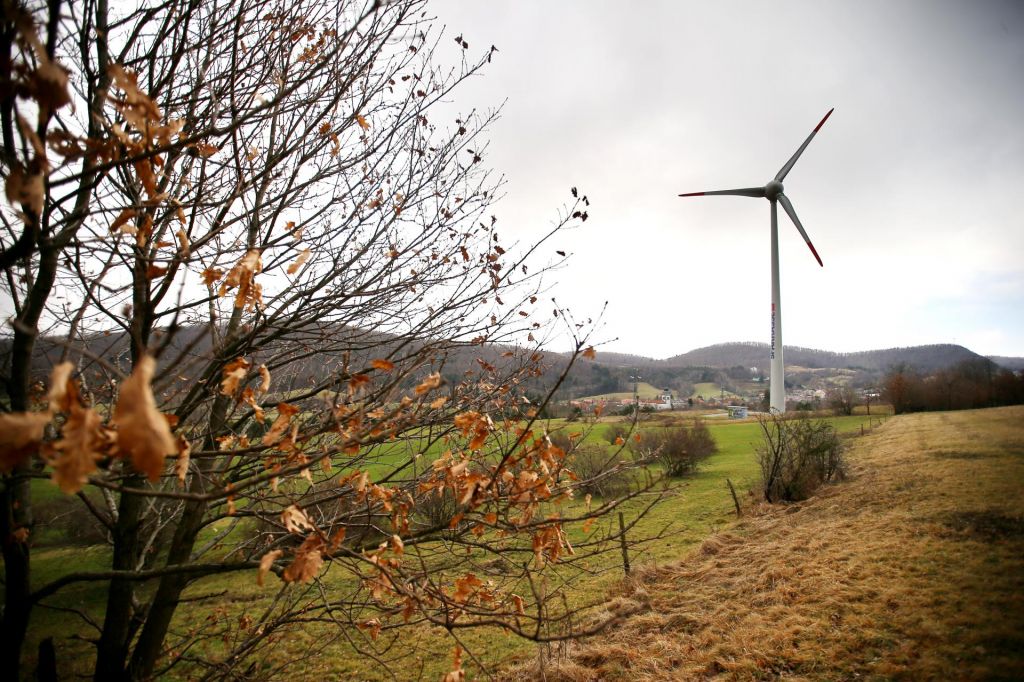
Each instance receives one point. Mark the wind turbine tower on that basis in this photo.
(774, 194)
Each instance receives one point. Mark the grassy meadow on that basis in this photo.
(911, 569)
(699, 506)
(644, 390)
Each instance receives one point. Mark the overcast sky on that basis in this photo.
(912, 192)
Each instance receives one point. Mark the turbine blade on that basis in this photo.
(746, 192)
(781, 175)
(788, 206)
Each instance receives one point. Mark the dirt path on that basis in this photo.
(911, 569)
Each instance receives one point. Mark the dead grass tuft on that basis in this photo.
(912, 569)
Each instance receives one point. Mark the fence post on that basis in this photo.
(735, 500)
(622, 543)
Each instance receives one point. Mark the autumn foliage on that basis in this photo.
(245, 249)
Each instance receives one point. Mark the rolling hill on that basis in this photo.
(925, 358)
(727, 365)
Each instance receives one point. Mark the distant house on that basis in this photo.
(737, 411)
(667, 401)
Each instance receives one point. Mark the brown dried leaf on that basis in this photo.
(62, 391)
(79, 448)
(206, 150)
(147, 176)
(299, 262)
(122, 219)
(371, 626)
(307, 562)
(144, 230)
(184, 455)
(356, 383)
(264, 379)
(50, 85)
(382, 365)
(241, 276)
(457, 674)
(65, 144)
(234, 374)
(285, 412)
(295, 520)
(25, 187)
(362, 122)
(211, 275)
(429, 384)
(154, 271)
(138, 108)
(20, 433)
(142, 431)
(184, 246)
(266, 563)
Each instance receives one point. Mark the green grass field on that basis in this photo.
(698, 506)
(710, 390)
(644, 390)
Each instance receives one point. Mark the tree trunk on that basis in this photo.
(17, 606)
(165, 601)
(16, 497)
(113, 648)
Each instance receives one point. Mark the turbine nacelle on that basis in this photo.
(773, 190)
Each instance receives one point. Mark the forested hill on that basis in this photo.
(1007, 362)
(609, 372)
(925, 358)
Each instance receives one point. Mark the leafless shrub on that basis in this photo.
(600, 470)
(679, 448)
(797, 456)
(603, 471)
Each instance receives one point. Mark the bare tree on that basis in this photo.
(842, 399)
(253, 240)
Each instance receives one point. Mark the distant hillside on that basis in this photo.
(726, 365)
(626, 360)
(749, 354)
(1007, 362)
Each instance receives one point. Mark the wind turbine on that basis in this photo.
(773, 193)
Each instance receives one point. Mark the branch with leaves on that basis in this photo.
(265, 324)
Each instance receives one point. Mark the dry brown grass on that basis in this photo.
(911, 569)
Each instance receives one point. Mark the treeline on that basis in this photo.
(965, 385)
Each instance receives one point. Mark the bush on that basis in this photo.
(436, 509)
(616, 431)
(797, 456)
(601, 471)
(842, 400)
(679, 448)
